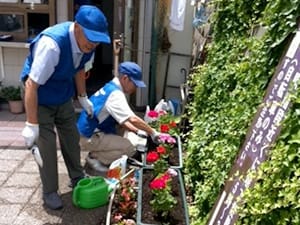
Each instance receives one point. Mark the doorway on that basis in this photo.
(102, 70)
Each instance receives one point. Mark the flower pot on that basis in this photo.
(16, 106)
(123, 201)
(175, 157)
(145, 214)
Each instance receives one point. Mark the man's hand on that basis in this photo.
(87, 105)
(30, 133)
(155, 137)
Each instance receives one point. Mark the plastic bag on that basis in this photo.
(117, 168)
(162, 105)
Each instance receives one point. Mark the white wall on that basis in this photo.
(62, 10)
(144, 47)
(12, 60)
(13, 54)
(181, 43)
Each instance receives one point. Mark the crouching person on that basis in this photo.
(98, 133)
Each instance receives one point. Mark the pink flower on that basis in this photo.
(153, 114)
(167, 138)
(118, 217)
(172, 172)
(162, 113)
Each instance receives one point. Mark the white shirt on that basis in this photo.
(46, 56)
(116, 105)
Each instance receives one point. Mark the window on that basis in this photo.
(11, 22)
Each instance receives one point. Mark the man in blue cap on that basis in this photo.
(110, 109)
(58, 59)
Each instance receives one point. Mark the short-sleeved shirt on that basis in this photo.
(47, 50)
(116, 105)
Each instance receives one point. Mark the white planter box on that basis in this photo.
(9, 1)
(33, 1)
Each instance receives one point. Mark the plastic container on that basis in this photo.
(91, 192)
(117, 168)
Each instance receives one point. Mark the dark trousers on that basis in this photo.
(60, 120)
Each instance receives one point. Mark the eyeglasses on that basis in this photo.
(131, 81)
(85, 44)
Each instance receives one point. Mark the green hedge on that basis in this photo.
(227, 90)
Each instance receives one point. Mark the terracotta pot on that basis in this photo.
(16, 106)
(145, 214)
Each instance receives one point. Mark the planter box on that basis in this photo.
(145, 215)
(175, 159)
(119, 205)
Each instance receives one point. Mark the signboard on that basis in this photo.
(262, 134)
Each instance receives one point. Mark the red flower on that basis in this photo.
(166, 177)
(161, 149)
(158, 184)
(164, 128)
(152, 157)
(172, 124)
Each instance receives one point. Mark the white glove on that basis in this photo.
(155, 137)
(87, 105)
(141, 133)
(30, 133)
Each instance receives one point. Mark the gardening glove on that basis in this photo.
(30, 133)
(155, 137)
(141, 134)
(87, 105)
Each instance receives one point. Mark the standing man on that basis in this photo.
(58, 59)
(111, 108)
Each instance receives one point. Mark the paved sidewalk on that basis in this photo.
(20, 185)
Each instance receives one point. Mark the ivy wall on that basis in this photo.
(227, 90)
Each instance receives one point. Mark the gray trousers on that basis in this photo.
(107, 147)
(63, 118)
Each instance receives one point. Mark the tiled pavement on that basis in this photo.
(20, 186)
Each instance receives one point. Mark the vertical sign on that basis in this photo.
(263, 132)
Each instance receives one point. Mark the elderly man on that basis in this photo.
(111, 108)
(58, 59)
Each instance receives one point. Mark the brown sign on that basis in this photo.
(262, 134)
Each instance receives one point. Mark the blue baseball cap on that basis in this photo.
(133, 71)
(93, 23)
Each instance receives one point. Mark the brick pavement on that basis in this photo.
(20, 186)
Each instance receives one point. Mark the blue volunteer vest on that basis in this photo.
(87, 125)
(60, 87)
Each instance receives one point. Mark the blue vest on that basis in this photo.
(87, 125)
(60, 87)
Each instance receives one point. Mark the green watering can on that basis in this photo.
(91, 192)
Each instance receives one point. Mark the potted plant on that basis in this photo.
(169, 149)
(167, 124)
(12, 95)
(161, 198)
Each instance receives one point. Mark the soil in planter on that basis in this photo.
(129, 209)
(177, 215)
(173, 159)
